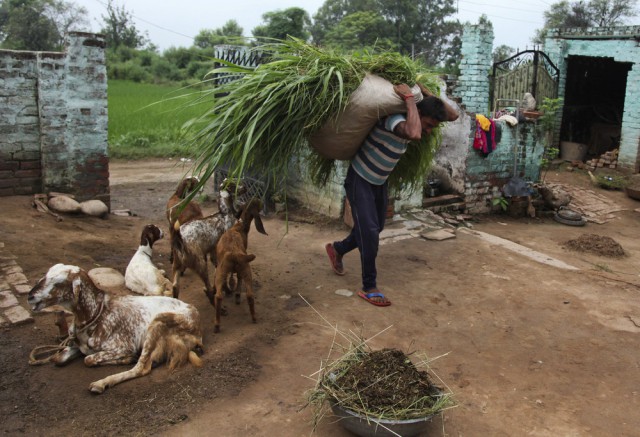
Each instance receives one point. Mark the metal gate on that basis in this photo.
(238, 55)
(530, 71)
(256, 185)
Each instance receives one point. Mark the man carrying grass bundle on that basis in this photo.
(366, 181)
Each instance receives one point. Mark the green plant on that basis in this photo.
(267, 115)
(612, 182)
(501, 201)
(547, 124)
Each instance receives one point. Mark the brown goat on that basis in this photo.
(177, 209)
(231, 253)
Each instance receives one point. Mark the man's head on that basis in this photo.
(433, 111)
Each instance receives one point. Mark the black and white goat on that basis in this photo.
(195, 241)
(142, 276)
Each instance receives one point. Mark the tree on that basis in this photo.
(581, 14)
(435, 37)
(362, 30)
(38, 24)
(419, 28)
(503, 52)
(67, 17)
(280, 24)
(333, 11)
(120, 30)
(230, 33)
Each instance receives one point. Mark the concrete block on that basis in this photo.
(22, 289)
(17, 315)
(17, 278)
(7, 299)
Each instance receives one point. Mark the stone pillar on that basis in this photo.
(629, 156)
(72, 100)
(475, 66)
(19, 125)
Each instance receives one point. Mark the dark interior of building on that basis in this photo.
(594, 103)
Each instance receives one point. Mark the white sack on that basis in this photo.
(63, 204)
(96, 208)
(374, 99)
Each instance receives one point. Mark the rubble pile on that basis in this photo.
(608, 159)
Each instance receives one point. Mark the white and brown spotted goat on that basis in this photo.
(142, 276)
(196, 240)
(232, 258)
(110, 329)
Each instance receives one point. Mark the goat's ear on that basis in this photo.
(76, 281)
(259, 226)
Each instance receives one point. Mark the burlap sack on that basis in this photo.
(95, 208)
(63, 204)
(374, 99)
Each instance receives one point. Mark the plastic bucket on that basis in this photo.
(570, 151)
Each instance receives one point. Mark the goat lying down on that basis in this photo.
(196, 240)
(142, 276)
(110, 329)
(231, 253)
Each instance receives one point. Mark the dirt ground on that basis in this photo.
(526, 348)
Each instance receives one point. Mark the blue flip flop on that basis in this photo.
(368, 297)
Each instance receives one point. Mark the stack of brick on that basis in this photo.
(606, 160)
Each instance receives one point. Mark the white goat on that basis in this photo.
(142, 276)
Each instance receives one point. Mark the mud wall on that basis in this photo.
(53, 120)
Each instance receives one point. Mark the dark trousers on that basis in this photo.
(368, 207)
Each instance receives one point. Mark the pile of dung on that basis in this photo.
(386, 380)
(596, 244)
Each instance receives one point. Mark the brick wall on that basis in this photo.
(519, 154)
(620, 44)
(53, 120)
(520, 150)
(473, 84)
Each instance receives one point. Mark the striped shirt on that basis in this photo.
(380, 151)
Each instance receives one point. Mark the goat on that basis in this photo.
(141, 275)
(111, 329)
(176, 210)
(192, 242)
(231, 253)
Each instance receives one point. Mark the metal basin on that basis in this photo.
(359, 425)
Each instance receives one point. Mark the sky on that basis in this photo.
(174, 23)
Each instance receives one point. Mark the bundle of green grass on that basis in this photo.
(263, 120)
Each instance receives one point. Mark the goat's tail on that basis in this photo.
(177, 243)
(240, 258)
(194, 359)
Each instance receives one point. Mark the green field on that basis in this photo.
(145, 120)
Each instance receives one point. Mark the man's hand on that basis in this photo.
(402, 90)
(424, 90)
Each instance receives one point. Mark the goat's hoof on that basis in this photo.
(96, 387)
(216, 329)
(237, 299)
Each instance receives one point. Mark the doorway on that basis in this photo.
(594, 103)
